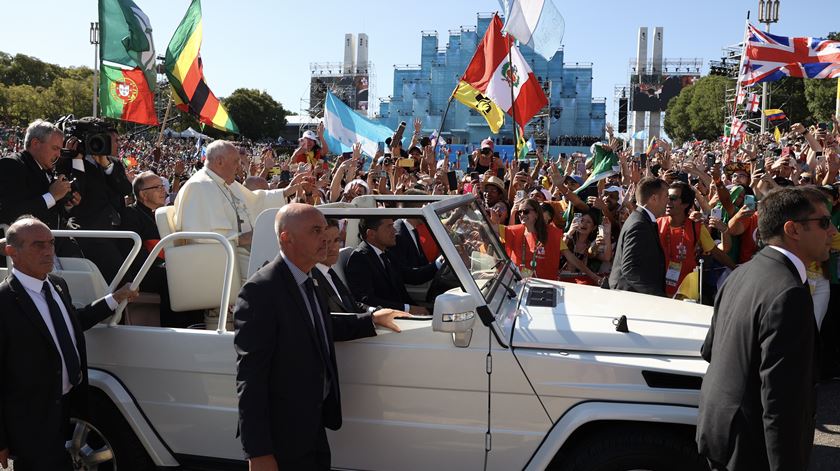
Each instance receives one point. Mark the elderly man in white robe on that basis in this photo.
(213, 201)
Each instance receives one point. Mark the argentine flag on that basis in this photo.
(535, 23)
(343, 127)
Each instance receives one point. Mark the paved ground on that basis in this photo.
(826, 454)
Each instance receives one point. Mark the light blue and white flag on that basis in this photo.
(343, 127)
(532, 145)
(640, 135)
(535, 23)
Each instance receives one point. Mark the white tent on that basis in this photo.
(192, 133)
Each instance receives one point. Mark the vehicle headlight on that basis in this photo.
(458, 316)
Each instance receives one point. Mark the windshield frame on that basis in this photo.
(436, 210)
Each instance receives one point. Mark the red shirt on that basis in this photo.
(427, 242)
(749, 239)
(547, 255)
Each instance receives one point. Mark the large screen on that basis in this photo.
(653, 92)
(351, 89)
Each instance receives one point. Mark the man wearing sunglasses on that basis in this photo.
(757, 401)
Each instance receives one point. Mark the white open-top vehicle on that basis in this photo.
(507, 373)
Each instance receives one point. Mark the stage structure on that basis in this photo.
(350, 80)
(653, 83)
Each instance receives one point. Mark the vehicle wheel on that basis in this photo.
(627, 447)
(104, 441)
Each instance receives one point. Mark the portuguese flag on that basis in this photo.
(127, 68)
(186, 76)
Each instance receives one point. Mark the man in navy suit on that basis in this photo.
(286, 375)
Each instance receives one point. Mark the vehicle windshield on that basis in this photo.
(476, 243)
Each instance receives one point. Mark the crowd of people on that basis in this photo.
(647, 225)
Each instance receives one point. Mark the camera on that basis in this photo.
(94, 135)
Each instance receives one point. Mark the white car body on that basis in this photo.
(415, 400)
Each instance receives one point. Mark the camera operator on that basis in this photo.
(28, 185)
(102, 184)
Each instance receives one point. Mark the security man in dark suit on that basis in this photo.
(43, 365)
(338, 296)
(639, 262)
(758, 399)
(27, 184)
(286, 376)
(371, 272)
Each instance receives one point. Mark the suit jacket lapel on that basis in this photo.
(28, 306)
(289, 282)
(377, 262)
(332, 296)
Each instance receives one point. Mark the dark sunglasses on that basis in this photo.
(824, 222)
(674, 197)
(523, 212)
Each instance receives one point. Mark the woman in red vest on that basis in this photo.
(535, 247)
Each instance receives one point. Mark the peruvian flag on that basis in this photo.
(496, 67)
(752, 104)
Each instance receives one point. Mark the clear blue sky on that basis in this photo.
(269, 44)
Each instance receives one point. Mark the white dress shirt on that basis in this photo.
(800, 267)
(33, 287)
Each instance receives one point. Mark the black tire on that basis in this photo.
(108, 428)
(622, 447)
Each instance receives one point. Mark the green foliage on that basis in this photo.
(256, 113)
(698, 111)
(30, 89)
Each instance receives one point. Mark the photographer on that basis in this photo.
(102, 184)
(28, 185)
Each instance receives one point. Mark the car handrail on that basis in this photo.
(228, 280)
(135, 248)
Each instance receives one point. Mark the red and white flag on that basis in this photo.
(497, 67)
(742, 95)
(752, 103)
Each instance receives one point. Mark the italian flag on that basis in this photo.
(496, 67)
(186, 74)
(127, 68)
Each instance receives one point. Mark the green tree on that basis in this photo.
(698, 111)
(256, 113)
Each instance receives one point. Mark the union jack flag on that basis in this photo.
(768, 57)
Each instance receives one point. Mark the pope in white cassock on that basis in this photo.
(213, 201)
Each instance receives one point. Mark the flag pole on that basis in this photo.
(165, 119)
(738, 86)
(442, 120)
(512, 102)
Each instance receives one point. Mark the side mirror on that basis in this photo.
(455, 313)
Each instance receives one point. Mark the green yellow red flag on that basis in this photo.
(186, 76)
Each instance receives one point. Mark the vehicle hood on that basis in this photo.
(583, 320)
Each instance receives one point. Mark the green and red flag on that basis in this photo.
(127, 68)
(186, 75)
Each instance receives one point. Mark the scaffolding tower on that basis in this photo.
(356, 88)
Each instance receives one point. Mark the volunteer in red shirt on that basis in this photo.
(536, 247)
(681, 237)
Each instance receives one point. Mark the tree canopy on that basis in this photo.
(256, 113)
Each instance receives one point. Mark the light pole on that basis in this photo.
(768, 13)
(94, 40)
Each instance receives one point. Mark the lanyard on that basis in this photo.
(533, 254)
